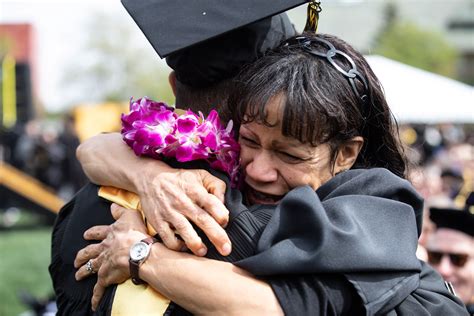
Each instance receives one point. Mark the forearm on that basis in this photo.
(205, 286)
(168, 196)
(107, 160)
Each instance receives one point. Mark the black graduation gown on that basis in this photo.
(349, 248)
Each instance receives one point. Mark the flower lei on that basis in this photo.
(154, 130)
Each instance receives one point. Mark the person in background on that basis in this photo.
(450, 248)
(428, 226)
(452, 182)
(73, 178)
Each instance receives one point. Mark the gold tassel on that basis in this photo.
(314, 7)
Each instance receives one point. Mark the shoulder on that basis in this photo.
(67, 210)
(375, 182)
(85, 210)
(373, 177)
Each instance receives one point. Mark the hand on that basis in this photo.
(126, 220)
(112, 264)
(115, 263)
(173, 199)
(170, 198)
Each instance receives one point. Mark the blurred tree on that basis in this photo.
(113, 68)
(412, 45)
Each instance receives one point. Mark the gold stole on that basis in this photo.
(131, 299)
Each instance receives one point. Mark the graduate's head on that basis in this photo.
(319, 96)
(203, 73)
(202, 99)
(207, 43)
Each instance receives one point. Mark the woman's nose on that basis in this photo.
(261, 168)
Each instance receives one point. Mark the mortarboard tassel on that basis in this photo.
(314, 7)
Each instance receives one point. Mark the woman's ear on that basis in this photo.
(172, 81)
(347, 154)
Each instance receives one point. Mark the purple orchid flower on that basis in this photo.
(154, 130)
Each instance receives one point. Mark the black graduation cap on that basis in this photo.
(457, 219)
(206, 41)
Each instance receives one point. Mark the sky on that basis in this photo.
(59, 31)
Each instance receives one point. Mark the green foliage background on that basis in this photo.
(428, 50)
(410, 44)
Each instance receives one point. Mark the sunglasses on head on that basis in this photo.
(457, 259)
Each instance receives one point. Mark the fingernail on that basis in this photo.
(202, 252)
(225, 222)
(226, 249)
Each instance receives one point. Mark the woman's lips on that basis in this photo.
(258, 197)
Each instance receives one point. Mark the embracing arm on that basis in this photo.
(201, 285)
(211, 287)
(170, 198)
(107, 160)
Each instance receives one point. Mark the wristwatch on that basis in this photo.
(139, 252)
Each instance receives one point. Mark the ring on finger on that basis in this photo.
(89, 267)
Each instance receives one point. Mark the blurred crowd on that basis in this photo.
(443, 173)
(46, 151)
(442, 160)
(442, 165)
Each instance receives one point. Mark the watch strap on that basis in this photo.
(134, 266)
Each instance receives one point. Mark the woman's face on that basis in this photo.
(274, 164)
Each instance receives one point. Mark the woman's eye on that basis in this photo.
(290, 158)
(248, 141)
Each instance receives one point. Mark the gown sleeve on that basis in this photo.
(86, 209)
(313, 294)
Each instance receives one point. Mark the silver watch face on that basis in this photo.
(139, 251)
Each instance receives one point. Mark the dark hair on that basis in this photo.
(203, 99)
(320, 106)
